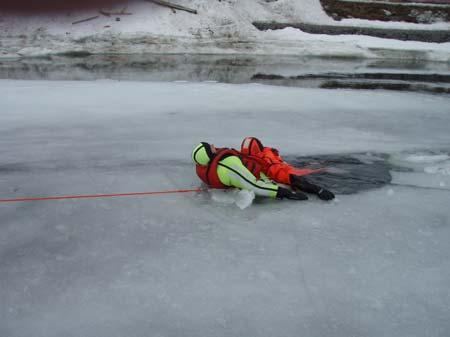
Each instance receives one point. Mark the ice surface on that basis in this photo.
(376, 263)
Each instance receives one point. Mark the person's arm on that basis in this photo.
(303, 184)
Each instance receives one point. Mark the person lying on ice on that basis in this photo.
(224, 168)
(275, 168)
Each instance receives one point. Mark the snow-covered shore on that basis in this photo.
(220, 27)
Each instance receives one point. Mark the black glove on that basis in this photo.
(285, 193)
(325, 194)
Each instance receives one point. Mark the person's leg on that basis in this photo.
(232, 172)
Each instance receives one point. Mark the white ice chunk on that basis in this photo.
(242, 198)
(423, 158)
(436, 164)
(444, 170)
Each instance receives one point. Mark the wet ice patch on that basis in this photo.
(423, 158)
(422, 169)
(430, 163)
(241, 198)
(444, 170)
(418, 161)
(421, 179)
(441, 165)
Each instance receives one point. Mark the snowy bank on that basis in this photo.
(221, 27)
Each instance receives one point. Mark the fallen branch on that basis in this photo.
(173, 6)
(84, 20)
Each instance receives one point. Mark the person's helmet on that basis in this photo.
(202, 154)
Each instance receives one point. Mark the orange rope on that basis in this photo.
(91, 196)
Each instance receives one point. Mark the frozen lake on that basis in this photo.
(374, 262)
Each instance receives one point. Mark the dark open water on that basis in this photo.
(330, 73)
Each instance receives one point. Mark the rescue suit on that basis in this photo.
(275, 168)
(271, 162)
(255, 168)
(225, 169)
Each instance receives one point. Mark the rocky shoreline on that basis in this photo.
(438, 36)
(387, 11)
